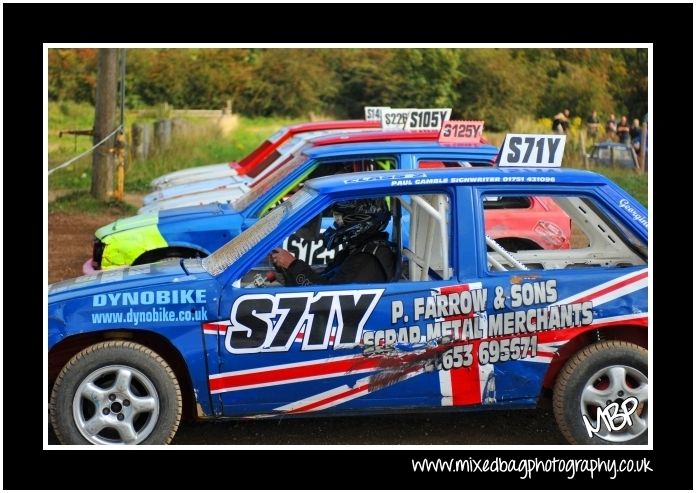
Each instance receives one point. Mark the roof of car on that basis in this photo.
(400, 135)
(332, 125)
(425, 147)
(424, 178)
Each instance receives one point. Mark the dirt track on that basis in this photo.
(523, 427)
(70, 244)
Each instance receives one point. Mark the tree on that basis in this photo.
(104, 124)
(496, 87)
(71, 74)
(582, 90)
(423, 77)
(289, 82)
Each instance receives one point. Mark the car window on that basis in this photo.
(417, 233)
(426, 163)
(264, 184)
(320, 169)
(557, 232)
(426, 252)
(506, 202)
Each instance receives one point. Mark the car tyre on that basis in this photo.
(116, 393)
(598, 375)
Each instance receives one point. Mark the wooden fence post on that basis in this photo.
(104, 122)
(227, 121)
(180, 127)
(643, 143)
(120, 153)
(582, 148)
(141, 137)
(163, 134)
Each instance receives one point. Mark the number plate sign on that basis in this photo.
(466, 132)
(374, 113)
(414, 118)
(532, 151)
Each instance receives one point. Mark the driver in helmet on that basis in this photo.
(367, 256)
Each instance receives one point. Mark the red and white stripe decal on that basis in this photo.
(328, 399)
(598, 295)
(300, 335)
(292, 373)
(336, 396)
(216, 328)
(220, 329)
(609, 290)
(459, 386)
(564, 335)
(635, 318)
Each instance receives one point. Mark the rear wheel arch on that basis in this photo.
(634, 334)
(604, 373)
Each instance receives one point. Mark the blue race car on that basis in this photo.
(199, 231)
(463, 323)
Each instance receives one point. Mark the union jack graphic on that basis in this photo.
(458, 386)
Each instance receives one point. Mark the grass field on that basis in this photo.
(204, 144)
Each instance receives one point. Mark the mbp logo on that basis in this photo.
(614, 417)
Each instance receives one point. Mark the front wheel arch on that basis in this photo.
(116, 392)
(62, 352)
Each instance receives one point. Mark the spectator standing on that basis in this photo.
(611, 127)
(593, 127)
(623, 131)
(566, 121)
(561, 122)
(635, 133)
(645, 122)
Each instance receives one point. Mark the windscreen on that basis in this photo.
(229, 253)
(258, 189)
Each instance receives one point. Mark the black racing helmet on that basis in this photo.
(356, 219)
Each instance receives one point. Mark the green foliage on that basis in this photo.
(582, 89)
(511, 89)
(72, 74)
(498, 85)
(629, 82)
(423, 78)
(363, 80)
(633, 182)
(202, 144)
(193, 78)
(67, 115)
(289, 82)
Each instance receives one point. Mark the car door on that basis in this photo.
(351, 347)
(589, 274)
